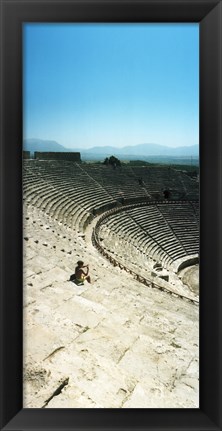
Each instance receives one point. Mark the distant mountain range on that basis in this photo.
(132, 152)
(146, 150)
(33, 145)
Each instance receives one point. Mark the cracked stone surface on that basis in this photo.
(114, 343)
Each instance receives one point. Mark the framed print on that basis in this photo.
(110, 252)
(114, 344)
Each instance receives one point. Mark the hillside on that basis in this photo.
(33, 145)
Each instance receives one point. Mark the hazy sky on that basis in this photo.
(111, 84)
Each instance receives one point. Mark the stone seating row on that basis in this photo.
(184, 237)
(59, 208)
(154, 178)
(137, 251)
(189, 237)
(68, 196)
(53, 196)
(158, 242)
(110, 181)
(114, 180)
(179, 232)
(141, 241)
(161, 177)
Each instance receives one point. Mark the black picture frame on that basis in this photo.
(209, 14)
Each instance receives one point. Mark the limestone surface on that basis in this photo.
(115, 343)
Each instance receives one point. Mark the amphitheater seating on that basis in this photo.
(164, 232)
(183, 222)
(105, 182)
(63, 190)
(156, 179)
(72, 194)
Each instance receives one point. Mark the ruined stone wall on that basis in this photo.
(26, 154)
(73, 157)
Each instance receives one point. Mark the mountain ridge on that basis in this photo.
(147, 149)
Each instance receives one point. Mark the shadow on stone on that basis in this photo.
(75, 281)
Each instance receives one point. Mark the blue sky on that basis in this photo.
(88, 85)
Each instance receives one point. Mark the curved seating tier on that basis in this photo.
(74, 193)
(126, 181)
(135, 229)
(164, 232)
(64, 191)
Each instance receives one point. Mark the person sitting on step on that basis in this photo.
(80, 274)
